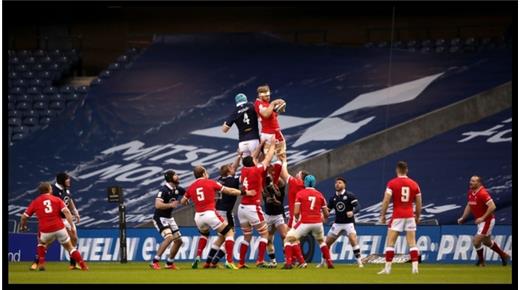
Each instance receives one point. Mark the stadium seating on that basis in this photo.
(173, 95)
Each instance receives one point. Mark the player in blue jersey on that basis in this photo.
(246, 119)
(167, 199)
(225, 204)
(345, 204)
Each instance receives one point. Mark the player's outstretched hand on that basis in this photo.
(460, 221)
(23, 228)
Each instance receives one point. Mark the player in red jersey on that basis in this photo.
(294, 185)
(268, 116)
(47, 208)
(312, 207)
(202, 193)
(250, 213)
(482, 206)
(403, 191)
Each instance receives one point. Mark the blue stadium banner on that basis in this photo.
(437, 244)
(22, 247)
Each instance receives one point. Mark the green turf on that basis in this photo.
(139, 272)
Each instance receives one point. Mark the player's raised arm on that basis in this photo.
(258, 149)
(270, 154)
(237, 160)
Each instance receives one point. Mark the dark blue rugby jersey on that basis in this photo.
(167, 195)
(226, 202)
(342, 204)
(62, 193)
(246, 120)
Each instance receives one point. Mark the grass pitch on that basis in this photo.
(139, 272)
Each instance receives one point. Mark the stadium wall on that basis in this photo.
(409, 133)
(437, 244)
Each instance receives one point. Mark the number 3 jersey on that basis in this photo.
(47, 208)
(403, 191)
(202, 193)
(247, 122)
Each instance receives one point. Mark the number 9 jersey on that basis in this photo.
(403, 191)
(202, 193)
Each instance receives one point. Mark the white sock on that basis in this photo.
(388, 266)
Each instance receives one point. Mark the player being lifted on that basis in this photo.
(48, 210)
(403, 191)
(294, 185)
(226, 203)
(310, 210)
(344, 203)
(246, 119)
(268, 114)
(273, 194)
(482, 206)
(167, 199)
(250, 213)
(202, 193)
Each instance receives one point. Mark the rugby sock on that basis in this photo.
(389, 254)
(76, 256)
(288, 253)
(220, 254)
(41, 254)
(496, 248)
(156, 259)
(202, 244)
(272, 256)
(229, 244)
(356, 251)
(72, 261)
(480, 253)
(243, 250)
(297, 251)
(261, 250)
(325, 251)
(211, 254)
(169, 261)
(414, 254)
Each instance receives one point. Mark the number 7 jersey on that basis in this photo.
(202, 193)
(403, 191)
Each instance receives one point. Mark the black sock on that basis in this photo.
(211, 254)
(36, 258)
(272, 256)
(72, 262)
(220, 254)
(356, 253)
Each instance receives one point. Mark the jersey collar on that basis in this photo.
(475, 192)
(338, 193)
(169, 186)
(58, 186)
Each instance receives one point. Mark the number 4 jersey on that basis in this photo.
(202, 193)
(403, 191)
(47, 208)
(247, 122)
